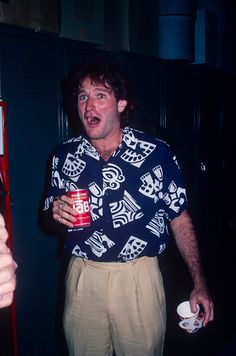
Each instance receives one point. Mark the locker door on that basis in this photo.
(30, 85)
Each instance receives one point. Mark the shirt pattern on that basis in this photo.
(132, 196)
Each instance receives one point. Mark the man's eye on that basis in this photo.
(82, 97)
(101, 96)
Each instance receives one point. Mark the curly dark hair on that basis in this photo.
(110, 76)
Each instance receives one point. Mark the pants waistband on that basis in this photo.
(115, 265)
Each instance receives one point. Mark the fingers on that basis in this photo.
(3, 231)
(7, 271)
(2, 222)
(193, 306)
(63, 212)
(7, 279)
(208, 312)
(3, 247)
(6, 299)
(8, 286)
(7, 268)
(202, 298)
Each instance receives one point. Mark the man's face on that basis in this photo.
(99, 110)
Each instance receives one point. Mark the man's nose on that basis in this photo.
(89, 104)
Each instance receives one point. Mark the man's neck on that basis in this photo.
(106, 148)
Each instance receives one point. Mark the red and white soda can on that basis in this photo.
(81, 205)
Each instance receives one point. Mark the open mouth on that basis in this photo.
(92, 120)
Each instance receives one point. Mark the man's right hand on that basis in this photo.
(63, 212)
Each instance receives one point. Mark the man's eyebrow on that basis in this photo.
(103, 89)
(107, 90)
(81, 91)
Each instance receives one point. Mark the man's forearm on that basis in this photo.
(185, 237)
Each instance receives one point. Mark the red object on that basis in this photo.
(4, 176)
(81, 205)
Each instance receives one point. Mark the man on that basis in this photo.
(115, 299)
(7, 269)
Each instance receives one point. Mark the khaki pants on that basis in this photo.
(114, 306)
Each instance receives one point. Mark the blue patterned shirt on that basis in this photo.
(132, 196)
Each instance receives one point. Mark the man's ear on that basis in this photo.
(122, 105)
